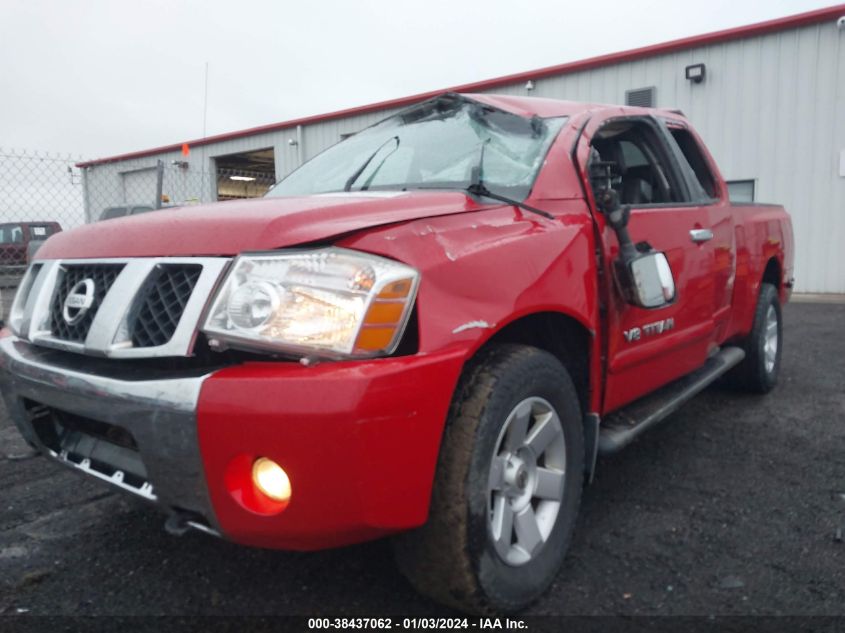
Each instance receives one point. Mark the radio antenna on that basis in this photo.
(205, 102)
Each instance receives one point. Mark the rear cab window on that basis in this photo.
(694, 163)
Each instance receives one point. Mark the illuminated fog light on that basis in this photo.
(271, 479)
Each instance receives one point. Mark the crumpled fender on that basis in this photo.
(481, 271)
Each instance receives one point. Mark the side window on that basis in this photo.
(741, 190)
(637, 163)
(633, 155)
(695, 162)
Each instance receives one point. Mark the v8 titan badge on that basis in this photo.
(649, 329)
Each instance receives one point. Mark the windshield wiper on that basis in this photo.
(478, 188)
(350, 181)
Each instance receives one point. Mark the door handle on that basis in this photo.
(701, 235)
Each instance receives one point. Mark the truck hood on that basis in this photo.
(229, 228)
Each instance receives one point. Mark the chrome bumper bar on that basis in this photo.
(159, 414)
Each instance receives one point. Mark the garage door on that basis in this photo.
(139, 187)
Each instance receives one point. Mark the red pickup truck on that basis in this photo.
(428, 331)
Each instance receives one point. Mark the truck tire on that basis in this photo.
(758, 372)
(507, 487)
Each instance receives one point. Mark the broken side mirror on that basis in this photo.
(601, 182)
(643, 274)
(649, 281)
(617, 216)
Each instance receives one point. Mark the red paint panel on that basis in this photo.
(358, 440)
(483, 271)
(229, 228)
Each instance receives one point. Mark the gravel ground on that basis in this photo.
(734, 506)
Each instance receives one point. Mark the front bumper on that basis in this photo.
(159, 414)
(359, 440)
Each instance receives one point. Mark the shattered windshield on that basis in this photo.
(436, 144)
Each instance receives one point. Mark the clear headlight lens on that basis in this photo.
(331, 302)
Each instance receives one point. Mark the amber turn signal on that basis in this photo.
(385, 317)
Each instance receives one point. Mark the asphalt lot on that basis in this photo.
(736, 505)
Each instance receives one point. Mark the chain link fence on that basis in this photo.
(111, 192)
(42, 194)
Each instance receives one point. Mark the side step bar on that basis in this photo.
(620, 428)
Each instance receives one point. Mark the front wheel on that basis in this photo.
(507, 488)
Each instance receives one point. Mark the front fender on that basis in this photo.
(481, 271)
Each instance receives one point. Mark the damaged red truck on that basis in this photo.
(429, 331)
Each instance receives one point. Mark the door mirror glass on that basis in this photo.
(652, 283)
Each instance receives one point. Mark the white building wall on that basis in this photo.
(771, 109)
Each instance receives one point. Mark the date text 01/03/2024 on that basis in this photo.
(415, 623)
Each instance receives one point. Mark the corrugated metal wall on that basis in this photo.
(772, 109)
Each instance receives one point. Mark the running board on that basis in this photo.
(620, 428)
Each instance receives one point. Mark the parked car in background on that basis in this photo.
(19, 241)
(428, 331)
(119, 212)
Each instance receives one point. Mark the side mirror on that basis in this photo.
(650, 280)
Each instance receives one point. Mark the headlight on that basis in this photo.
(329, 302)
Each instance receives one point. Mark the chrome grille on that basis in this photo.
(103, 276)
(128, 308)
(163, 303)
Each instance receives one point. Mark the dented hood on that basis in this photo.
(229, 228)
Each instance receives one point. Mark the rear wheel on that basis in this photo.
(758, 372)
(507, 488)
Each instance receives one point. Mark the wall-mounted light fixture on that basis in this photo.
(696, 73)
(293, 142)
(529, 86)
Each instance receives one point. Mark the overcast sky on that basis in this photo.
(98, 77)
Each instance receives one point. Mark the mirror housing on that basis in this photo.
(649, 282)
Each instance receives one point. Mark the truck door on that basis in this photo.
(706, 185)
(647, 348)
